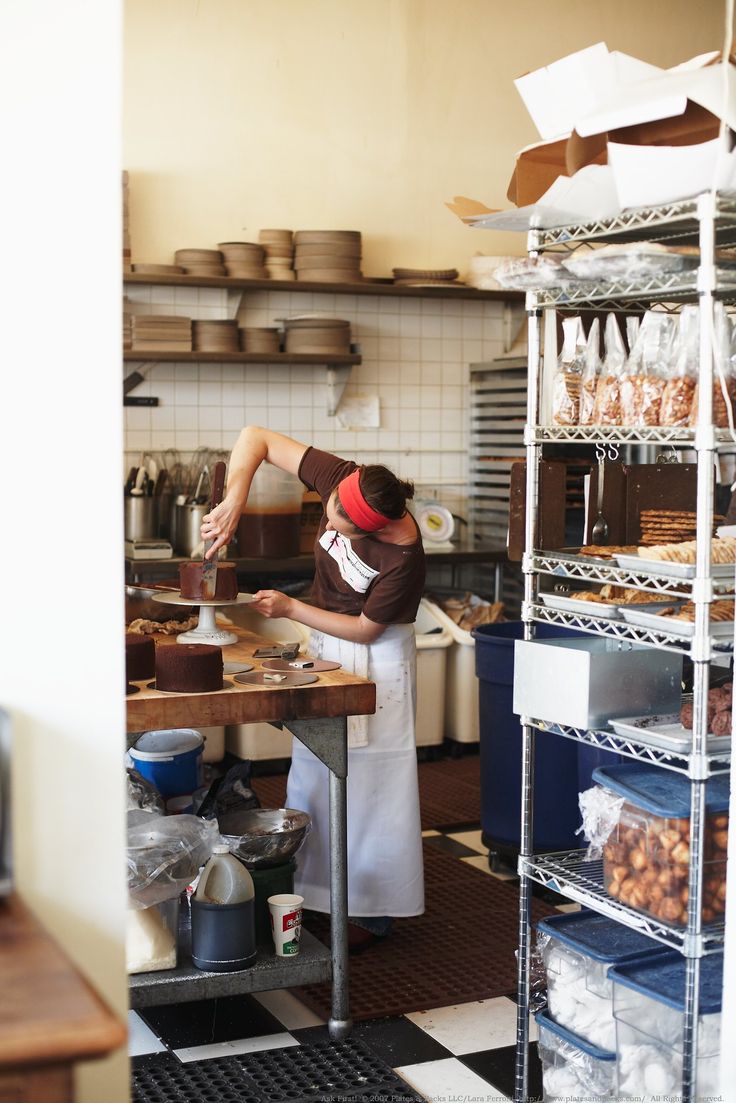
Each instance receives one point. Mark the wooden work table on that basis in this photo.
(317, 715)
(50, 1017)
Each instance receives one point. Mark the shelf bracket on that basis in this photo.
(337, 380)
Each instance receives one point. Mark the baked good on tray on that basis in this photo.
(140, 657)
(190, 581)
(723, 550)
(189, 668)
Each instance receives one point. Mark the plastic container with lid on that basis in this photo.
(171, 759)
(649, 1007)
(572, 1068)
(270, 525)
(223, 915)
(433, 641)
(577, 952)
(646, 856)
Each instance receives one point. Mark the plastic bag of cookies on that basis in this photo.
(591, 370)
(646, 370)
(567, 382)
(607, 406)
(677, 399)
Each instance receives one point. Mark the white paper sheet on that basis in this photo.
(360, 411)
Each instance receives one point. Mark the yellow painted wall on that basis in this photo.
(365, 114)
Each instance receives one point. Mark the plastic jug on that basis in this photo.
(269, 527)
(223, 915)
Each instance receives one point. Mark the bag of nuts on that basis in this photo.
(679, 390)
(607, 406)
(591, 370)
(724, 378)
(568, 375)
(646, 369)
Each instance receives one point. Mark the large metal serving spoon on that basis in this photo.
(599, 534)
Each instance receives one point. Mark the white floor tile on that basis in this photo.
(289, 1010)
(230, 1049)
(472, 839)
(471, 1027)
(430, 834)
(441, 1081)
(481, 863)
(141, 1038)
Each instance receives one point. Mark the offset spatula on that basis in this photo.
(209, 566)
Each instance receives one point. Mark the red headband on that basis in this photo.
(353, 502)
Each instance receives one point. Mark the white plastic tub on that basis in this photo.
(433, 641)
(461, 688)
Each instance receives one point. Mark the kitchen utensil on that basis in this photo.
(209, 566)
(264, 836)
(186, 522)
(599, 534)
(279, 651)
(140, 516)
(207, 630)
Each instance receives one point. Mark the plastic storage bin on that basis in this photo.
(461, 713)
(573, 1069)
(645, 860)
(577, 952)
(556, 815)
(171, 759)
(649, 1005)
(433, 641)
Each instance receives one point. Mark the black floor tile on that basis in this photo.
(203, 1022)
(497, 1066)
(451, 846)
(397, 1041)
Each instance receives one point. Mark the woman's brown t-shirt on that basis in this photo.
(366, 575)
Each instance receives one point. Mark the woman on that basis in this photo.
(369, 578)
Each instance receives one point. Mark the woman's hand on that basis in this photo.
(272, 603)
(221, 525)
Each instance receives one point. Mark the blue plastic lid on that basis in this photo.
(566, 1035)
(663, 979)
(598, 937)
(661, 791)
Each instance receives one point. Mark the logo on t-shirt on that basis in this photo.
(352, 568)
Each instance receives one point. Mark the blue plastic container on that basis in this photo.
(577, 953)
(560, 769)
(572, 1068)
(171, 759)
(662, 792)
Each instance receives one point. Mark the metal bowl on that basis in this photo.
(139, 602)
(263, 837)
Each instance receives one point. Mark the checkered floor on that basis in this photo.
(463, 1051)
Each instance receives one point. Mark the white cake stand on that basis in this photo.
(207, 630)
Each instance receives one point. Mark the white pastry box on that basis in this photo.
(586, 682)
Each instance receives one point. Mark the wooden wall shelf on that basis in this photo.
(365, 287)
(242, 357)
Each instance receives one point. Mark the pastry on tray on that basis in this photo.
(723, 550)
(607, 551)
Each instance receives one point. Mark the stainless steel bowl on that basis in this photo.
(139, 602)
(263, 837)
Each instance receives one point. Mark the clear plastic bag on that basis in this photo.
(724, 378)
(607, 406)
(636, 261)
(165, 854)
(568, 374)
(600, 810)
(143, 795)
(527, 273)
(591, 371)
(679, 390)
(645, 375)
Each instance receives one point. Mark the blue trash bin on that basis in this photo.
(561, 767)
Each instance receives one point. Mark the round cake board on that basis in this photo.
(305, 663)
(152, 685)
(171, 597)
(265, 678)
(237, 668)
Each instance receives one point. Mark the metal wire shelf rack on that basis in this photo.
(579, 568)
(631, 294)
(672, 435)
(569, 873)
(713, 762)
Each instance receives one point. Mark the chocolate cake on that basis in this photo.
(189, 668)
(140, 657)
(190, 581)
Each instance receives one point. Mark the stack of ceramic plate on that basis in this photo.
(161, 333)
(426, 277)
(312, 333)
(126, 225)
(220, 336)
(243, 260)
(329, 256)
(159, 269)
(259, 339)
(279, 248)
(201, 262)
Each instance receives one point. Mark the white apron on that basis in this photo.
(385, 868)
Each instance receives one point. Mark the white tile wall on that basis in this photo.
(415, 358)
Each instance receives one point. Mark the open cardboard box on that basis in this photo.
(618, 133)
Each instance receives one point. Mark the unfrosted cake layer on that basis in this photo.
(189, 668)
(140, 657)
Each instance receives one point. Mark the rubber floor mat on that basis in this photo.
(449, 792)
(464, 945)
(337, 1072)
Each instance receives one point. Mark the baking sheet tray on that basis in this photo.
(666, 732)
(670, 569)
(568, 603)
(719, 630)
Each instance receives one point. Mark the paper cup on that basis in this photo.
(286, 922)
